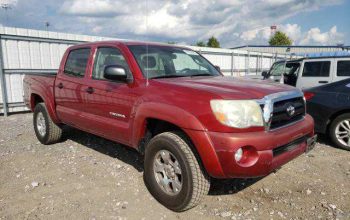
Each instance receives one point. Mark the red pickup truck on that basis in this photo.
(171, 104)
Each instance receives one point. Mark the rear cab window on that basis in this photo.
(316, 69)
(76, 62)
(343, 68)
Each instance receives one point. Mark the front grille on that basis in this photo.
(280, 116)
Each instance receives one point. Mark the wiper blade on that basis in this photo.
(168, 76)
(202, 74)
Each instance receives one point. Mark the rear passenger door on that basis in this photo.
(314, 73)
(69, 94)
(342, 69)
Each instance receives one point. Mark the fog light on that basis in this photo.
(246, 156)
(239, 154)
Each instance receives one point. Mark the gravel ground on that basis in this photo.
(87, 177)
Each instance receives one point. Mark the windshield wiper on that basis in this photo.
(168, 76)
(202, 74)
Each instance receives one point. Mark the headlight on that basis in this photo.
(237, 113)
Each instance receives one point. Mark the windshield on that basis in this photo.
(278, 69)
(284, 68)
(164, 62)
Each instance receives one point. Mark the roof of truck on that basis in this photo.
(129, 42)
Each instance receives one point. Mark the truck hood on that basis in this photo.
(228, 87)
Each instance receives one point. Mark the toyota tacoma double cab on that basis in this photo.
(189, 121)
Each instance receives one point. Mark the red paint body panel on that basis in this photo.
(184, 102)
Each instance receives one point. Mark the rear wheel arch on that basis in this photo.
(45, 129)
(35, 99)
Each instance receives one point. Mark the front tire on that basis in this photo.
(45, 129)
(339, 131)
(173, 174)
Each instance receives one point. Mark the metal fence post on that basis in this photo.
(248, 64)
(257, 64)
(232, 63)
(3, 81)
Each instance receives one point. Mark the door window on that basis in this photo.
(106, 56)
(316, 69)
(76, 62)
(343, 68)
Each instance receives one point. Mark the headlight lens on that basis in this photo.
(237, 113)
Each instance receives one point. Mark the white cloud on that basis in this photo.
(234, 22)
(293, 31)
(8, 2)
(315, 36)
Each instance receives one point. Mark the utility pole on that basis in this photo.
(47, 25)
(6, 7)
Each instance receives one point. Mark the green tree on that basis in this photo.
(280, 39)
(213, 42)
(200, 44)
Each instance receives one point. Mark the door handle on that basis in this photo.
(60, 85)
(322, 81)
(90, 90)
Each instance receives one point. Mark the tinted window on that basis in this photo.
(316, 69)
(343, 68)
(277, 69)
(76, 62)
(168, 61)
(107, 56)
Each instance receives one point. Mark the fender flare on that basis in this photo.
(189, 124)
(48, 99)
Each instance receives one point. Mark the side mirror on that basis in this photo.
(265, 74)
(218, 68)
(115, 73)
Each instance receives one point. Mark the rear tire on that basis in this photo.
(182, 182)
(45, 129)
(339, 131)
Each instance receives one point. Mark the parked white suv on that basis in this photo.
(310, 72)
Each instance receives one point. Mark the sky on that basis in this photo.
(233, 22)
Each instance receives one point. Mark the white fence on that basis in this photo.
(26, 51)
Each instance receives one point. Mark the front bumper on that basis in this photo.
(274, 148)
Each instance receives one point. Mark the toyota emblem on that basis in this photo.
(290, 110)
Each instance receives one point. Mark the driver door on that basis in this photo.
(109, 103)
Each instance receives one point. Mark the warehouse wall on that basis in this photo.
(26, 51)
(293, 50)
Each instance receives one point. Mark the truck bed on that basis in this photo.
(38, 84)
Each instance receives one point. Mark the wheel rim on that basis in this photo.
(167, 172)
(41, 124)
(342, 132)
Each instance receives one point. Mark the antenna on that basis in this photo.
(146, 43)
(6, 7)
